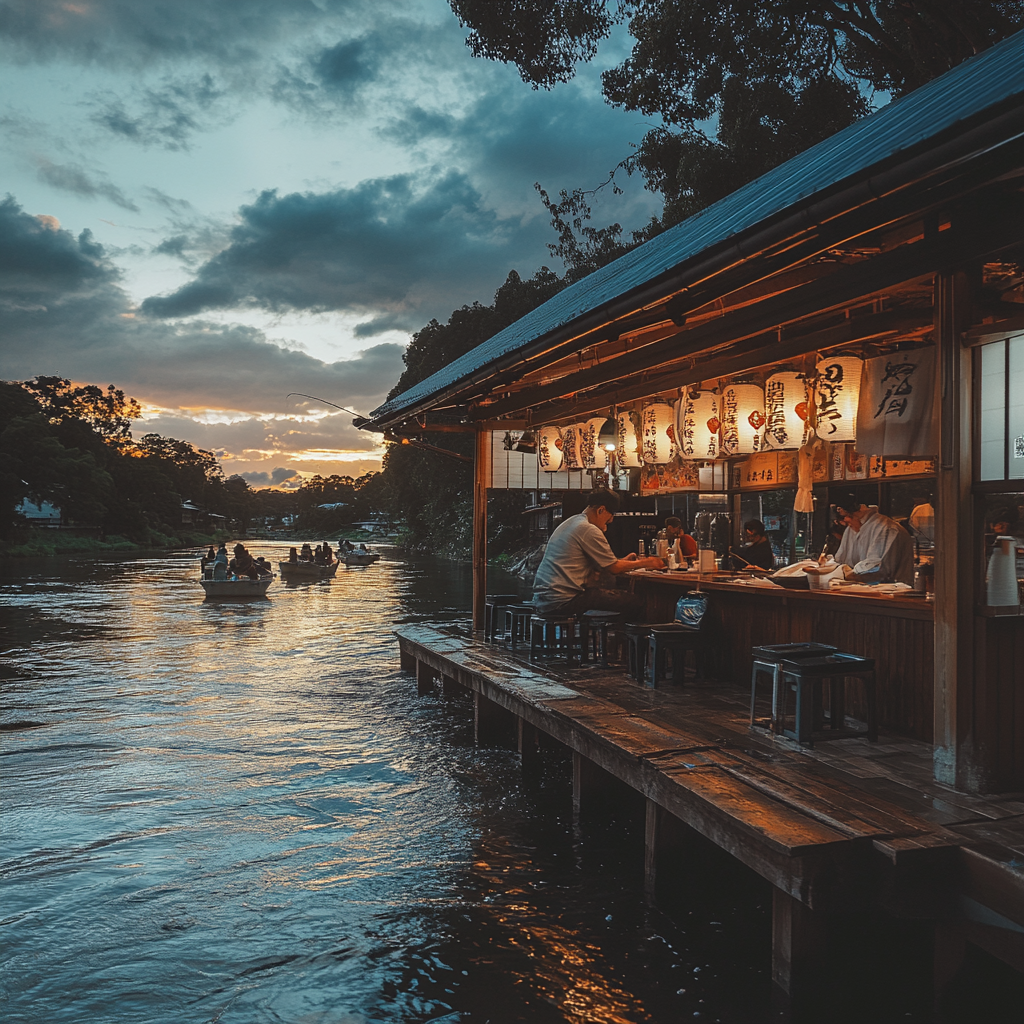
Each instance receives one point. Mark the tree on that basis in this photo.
(773, 76)
(109, 413)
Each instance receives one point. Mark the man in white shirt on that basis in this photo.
(578, 550)
(874, 548)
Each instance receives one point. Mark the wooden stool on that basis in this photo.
(768, 658)
(551, 635)
(805, 675)
(494, 605)
(594, 624)
(637, 639)
(517, 623)
(675, 640)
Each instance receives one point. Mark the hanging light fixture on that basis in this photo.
(743, 419)
(549, 449)
(785, 410)
(571, 447)
(699, 424)
(658, 437)
(628, 431)
(592, 454)
(838, 397)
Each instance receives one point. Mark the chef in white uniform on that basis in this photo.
(874, 548)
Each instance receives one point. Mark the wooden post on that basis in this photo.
(592, 786)
(666, 870)
(492, 724)
(424, 678)
(529, 746)
(481, 479)
(953, 752)
(406, 660)
(797, 944)
(451, 689)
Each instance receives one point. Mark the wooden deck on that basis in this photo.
(835, 829)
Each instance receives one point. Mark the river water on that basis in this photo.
(242, 812)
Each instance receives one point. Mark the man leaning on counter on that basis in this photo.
(874, 548)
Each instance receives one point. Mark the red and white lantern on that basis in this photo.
(549, 449)
(743, 419)
(785, 410)
(700, 423)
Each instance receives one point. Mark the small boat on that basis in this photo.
(240, 588)
(358, 556)
(306, 570)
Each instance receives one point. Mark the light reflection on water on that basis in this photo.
(242, 812)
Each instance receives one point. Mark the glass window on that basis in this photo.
(992, 412)
(1015, 394)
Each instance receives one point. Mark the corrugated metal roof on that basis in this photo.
(985, 81)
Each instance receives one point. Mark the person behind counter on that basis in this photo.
(758, 548)
(874, 548)
(576, 552)
(685, 545)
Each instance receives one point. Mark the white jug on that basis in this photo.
(1001, 579)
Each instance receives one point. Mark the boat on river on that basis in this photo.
(237, 588)
(358, 556)
(306, 570)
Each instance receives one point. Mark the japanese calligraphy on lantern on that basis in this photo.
(785, 409)
(838, 392)
(896, 416)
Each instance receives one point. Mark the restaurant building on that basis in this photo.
(851, 322)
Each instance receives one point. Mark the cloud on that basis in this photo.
(63, 310)
(400, 249)
(69, 178)
(277, 477)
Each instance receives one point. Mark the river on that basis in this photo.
(242, 812)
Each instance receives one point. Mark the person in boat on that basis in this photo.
(347, 545)
(222, 554)
(243, 564)
(208, 558)
(328, 553)
(576, 553)
(307, 553)
(293, 555)
(263, 567)
(318, 555)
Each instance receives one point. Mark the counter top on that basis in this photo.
(871, 604)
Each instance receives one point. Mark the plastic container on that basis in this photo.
(819, 577)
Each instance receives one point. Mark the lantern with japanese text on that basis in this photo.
(549, 449)
(699, 424)
(592, 454)
(658, 438)
(785, 410)
(838, 397)
(743, 419)
(628, 432)
(571, 447)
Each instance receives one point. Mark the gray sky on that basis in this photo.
(211, 204)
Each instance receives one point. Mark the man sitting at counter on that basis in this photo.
(874, 548)
(758, 548)
(577, 551)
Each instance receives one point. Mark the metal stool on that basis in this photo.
(673, 639)
(594, 625)
(768, 658)
(517, 623)
(834, 669)
(551, 635)
(493, 606)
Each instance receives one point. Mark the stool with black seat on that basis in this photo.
(494, 605)
(594, 626)
(675, 640)
(637, 636)
(517, 623)
(768, 659)
(806, 675)
(553, 635)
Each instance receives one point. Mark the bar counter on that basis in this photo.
(896, 631)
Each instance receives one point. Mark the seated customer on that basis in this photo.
(687, 546)
(758, 548)
(576, 552)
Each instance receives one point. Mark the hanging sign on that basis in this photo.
(897, 417)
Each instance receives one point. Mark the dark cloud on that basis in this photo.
(69, 178)
(398, 248)
(347, 66)
(275, 478)
(63, 311)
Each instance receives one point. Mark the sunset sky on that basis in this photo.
(212, 204)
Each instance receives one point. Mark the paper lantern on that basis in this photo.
(658, 437)
(571, 447)
(743, 419)
(838, 397)
(785, 410)
(592, 455)
(549, 449)
(628, 434)
(700, 421)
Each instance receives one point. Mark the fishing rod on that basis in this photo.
(299, 394)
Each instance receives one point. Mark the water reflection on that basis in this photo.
(242, 812)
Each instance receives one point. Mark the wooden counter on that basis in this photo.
(896, 631)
